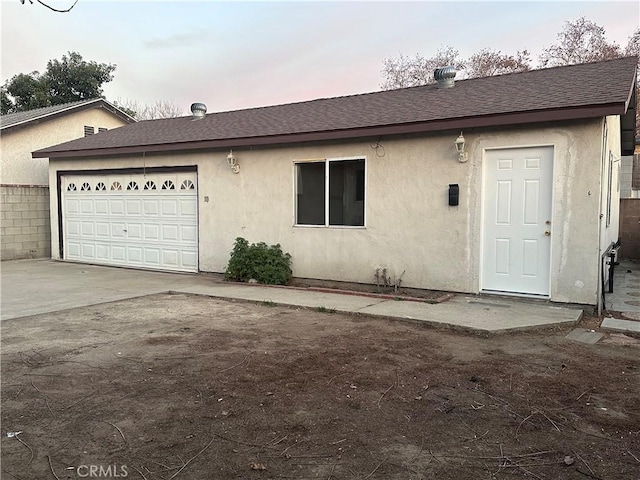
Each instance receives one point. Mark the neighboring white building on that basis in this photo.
(629, 165)
(25, 231)
(351, 184)
(630, 206)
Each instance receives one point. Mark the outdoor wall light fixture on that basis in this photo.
(460, 144)
(233, 162)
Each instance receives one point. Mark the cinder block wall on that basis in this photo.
(630, 228)
(25, 230)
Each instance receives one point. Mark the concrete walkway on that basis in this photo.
(625, 297)
(31, 287)
(624, 301)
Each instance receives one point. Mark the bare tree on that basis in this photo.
(142, 111)
(581, 41)
(633, 45)
(50, 7)
(486, 63)
(404, 71)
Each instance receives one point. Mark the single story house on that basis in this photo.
(505, 184)
(24, 182)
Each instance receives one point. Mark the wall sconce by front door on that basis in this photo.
(460, 144)
(233, 162)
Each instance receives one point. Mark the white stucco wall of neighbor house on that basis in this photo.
(409, 225)
(18, 168)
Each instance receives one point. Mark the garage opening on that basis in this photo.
(131, 220)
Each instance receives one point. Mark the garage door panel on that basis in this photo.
(122, 220)
(190, 260)
(170, 257)
(73, 250)
(87, 229)
(73, 205)
(86, 206)
(151, 207)
(134, 254)
(103, 230)
(188, 207)
(134, 207)
(189, 234)
(152, 256)
(169, 207)
(102, 207)
(116, 206)
(134, 231)
(88, 251)
(119, 254)
(170, 233)
(73, 228)
(118, 230)
(102, 252)
(151, 232)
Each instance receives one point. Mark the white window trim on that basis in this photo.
(326, 192)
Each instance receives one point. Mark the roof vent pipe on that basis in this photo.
(198, 110)
(444, 76)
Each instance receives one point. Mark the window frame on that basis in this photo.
(327, 162)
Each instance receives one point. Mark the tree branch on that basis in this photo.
(55, 9)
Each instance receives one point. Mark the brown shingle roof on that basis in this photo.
(576, 91)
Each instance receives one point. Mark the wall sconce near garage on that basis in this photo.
(460, 144)
(233, 162)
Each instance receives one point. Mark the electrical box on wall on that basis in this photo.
(454, 194)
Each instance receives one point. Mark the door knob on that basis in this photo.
(547, 233)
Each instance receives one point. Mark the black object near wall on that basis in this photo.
(454, 194)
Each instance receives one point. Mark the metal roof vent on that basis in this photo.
(445, 76)
(198, 110)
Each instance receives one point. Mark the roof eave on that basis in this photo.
(98, 102)
(517, 118)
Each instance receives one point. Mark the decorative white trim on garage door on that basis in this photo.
(143, 221)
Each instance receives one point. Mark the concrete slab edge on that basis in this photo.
(415, 321)
(382, 296)
(629, 327)
(113, 300)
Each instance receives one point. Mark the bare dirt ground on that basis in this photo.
(187, 387)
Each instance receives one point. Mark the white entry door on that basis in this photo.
(144, 221)
(516, 256)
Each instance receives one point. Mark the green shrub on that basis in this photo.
(264, 263)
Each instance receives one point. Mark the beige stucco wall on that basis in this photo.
(16, 145)
(576, 187)
(409, 225)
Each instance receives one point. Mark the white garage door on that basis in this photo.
(143, 221)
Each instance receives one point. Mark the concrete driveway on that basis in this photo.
(31, 287)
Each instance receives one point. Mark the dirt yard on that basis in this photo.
(187, 387)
